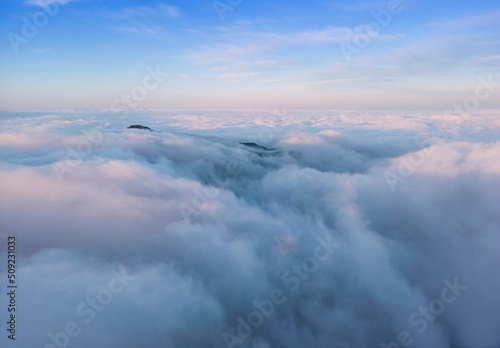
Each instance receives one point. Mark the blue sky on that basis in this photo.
(260, 54)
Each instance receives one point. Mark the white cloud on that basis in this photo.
(238, 75)
(46, 3)
(145, 12)
(147, 21)
(169, 11)
(469, 21)
(244, 43)
(206, 227)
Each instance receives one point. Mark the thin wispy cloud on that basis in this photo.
(297, 42)
(490, 58)
(240, 75)
(255, 42)
(470, 21)
(259, 64)
(46, 3)
(144, 12)
(360, 6)
(150, 31)
(144, 21)
(159, 10)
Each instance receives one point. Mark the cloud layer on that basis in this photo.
(357, 229)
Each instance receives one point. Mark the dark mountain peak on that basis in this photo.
(138, 126)
(257, 146)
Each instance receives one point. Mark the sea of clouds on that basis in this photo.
(348, 229)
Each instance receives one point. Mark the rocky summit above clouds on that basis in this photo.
(138, 126)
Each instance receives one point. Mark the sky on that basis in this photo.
(252, 54)
(365, 213)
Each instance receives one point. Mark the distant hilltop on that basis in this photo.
(138, 126)
(257, 146)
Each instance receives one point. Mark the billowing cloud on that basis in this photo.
(327, 229)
